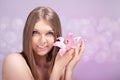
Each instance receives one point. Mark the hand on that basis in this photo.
(76, 56)
(75, 59)
(60, 64)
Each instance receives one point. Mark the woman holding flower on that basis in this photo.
(40, 58)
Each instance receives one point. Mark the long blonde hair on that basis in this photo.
(35, 15)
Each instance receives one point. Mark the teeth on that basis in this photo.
(42, 46)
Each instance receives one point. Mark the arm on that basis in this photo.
(15, 68)
(68, 75)
(55, 75)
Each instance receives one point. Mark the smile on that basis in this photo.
(42, 48)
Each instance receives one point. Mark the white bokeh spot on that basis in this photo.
(10, 37)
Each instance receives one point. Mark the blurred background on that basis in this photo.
(97, 21)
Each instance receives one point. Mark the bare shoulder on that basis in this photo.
(14, 57)
(15, 68)
(14, 60)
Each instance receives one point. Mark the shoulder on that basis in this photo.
(14, 59)
(14, 56)
(15, 68)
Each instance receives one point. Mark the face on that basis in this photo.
(42, 38)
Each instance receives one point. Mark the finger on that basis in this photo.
(69, 52)
(68, 55)
(77, 49)
(82, 46)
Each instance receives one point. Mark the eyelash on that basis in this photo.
(50, 33)
(35, 32)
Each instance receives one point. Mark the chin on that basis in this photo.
(42, 53)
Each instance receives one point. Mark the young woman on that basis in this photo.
(39, 59)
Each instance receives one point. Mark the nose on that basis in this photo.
(42, 39)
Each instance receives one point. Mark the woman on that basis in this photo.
(39, 59)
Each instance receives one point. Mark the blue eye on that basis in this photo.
(35, 32)
(50, 33)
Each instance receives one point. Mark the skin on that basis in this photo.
(70, 59)
(75, 59)
(16, 68)
(42, 41)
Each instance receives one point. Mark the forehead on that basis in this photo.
(43, 25)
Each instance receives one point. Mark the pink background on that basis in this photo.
(98, 21)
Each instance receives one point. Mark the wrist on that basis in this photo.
(55, 74)
(69, 74)
(69, 68)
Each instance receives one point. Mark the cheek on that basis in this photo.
(34, 40)
(51, 40)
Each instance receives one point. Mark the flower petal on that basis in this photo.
(69, 36)
(59, 44)
(61, 39)
(71, 43)
(62, 51)
(77, 39)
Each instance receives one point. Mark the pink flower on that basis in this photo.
(66, 44)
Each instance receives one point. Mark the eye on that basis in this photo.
(50, 33)
(35, 32)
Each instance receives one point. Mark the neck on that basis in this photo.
(40, 60)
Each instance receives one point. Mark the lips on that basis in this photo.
(42, 48)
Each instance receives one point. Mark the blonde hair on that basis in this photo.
(35, 15)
